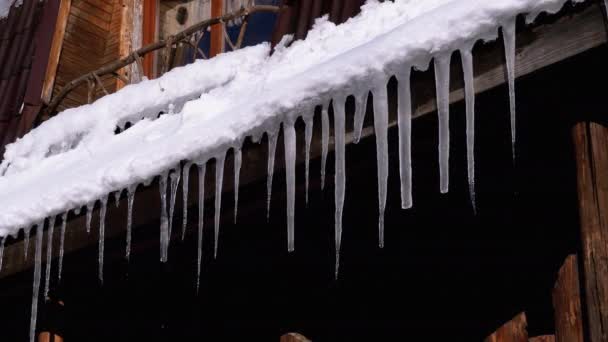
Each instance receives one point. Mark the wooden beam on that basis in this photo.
(544, 338)
(55, 52)
(591, 148)
(567, 303)
(512, 331)
(217, 31)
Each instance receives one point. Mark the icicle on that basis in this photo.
(360, 109)
(49, 255)
(185, 184)
(442, 82)
(309, 122)
(272, 148)
(102, 235)
(289, 135)
(164, 221)
(202, 168)
(90, 207)
(324, 141)
(36, 286)
(339, 133)
(26, 241)
(508, 33)
(219, 179)
(238, 160)
(467, 68)
(130, 200)
(381, 130)
(117, 198)
(1, 251)
(405, 136)
(64, 222)
(175, 177)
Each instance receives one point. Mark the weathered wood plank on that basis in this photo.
(567, 303)
(55, 52)
(544, 338)
(513, 331)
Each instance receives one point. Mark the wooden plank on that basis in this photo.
(91, 19)
(55, 52)
(217, 31)
(512, 331)
(591, 147)
(567, 303)
(544, 338)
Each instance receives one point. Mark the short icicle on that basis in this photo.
(36, 287)
(164, 220)
(309, 122)
(185, 184)
(117, 198)
(219, 180)
(102, 235)
(89, 215)
(26, 241)
(272, 148)
(2, 241)
(324, 141)
(404, 120)
(49, 255)
(201, 219)
(340, 176)
(508, 33)
(360, 109)
(175, 178)
(381, 131)
(469, 90)
(442, 82)
(238, 160)
(130, 200)
(289, 135)
(64, 222)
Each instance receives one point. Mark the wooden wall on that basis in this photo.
(91, 40)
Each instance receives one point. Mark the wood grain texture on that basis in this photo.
(544, 338)
(567, 303)
(56, 46)
(512, 331)
(294, 337)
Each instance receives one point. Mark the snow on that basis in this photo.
(5, 7)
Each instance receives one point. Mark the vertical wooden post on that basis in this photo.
(512, 331)
(56, 45)
(567, 303)
(591, 147)
(149, 34)
(217, 31)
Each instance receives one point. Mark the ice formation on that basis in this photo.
(340, 186)
(202, 168)
(289, 135)
(185, 184)
(238, 160)
(49, 255)
(469, 91)
(64, 221)
(272, 148)
(219, 181)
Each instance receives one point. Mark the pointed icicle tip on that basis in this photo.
(289, 134)
(219, 180)
(442, 81)
(324, 141)
(508, 32)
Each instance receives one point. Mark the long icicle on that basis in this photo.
(381, 130)
(26, 241)
(308, 122)
(272, 148)
(238, 160)
(89, 215)
(404, 119)
(102, 235)
(360, 109)
(36, 286)
(130, 201)
(201, 219)
(508, 33)
(2, 241)
(219, 180)
(442, 82)
(185, 184)
(340, 176)
(175, 178)
(469, 91)
(164, 221)
(49, 255)
(64, 222)
(289, 135)
(324, 141)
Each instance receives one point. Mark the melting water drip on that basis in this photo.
(340, 188)
(442, 82)
(201, 219)
(469, 90)
(404, 119)
(324, 141)
(238, 160)
(164, 221)
(185, 184)
(102, 235)
(64, 222)
(1, 252)
(219, 179)
(89, 216)
(289, 134)
(508, 33)
(309, 122)
(36, 286)
(49, 255)
(175, 177)
(272, 148)
(130, 201)
(381, 129)
(360, 109)
(26, 242)
(117, 198)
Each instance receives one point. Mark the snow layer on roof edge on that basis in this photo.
(252, 105)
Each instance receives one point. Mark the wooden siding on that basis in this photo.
(91, 40)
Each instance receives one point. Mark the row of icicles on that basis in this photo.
(380, 109)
